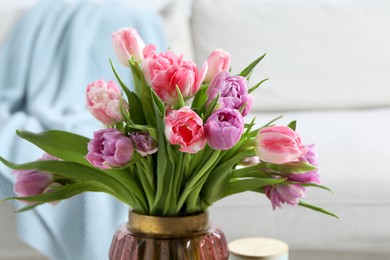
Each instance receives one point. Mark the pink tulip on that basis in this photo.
(164, 71)
(218, 60)
(279, 144)
(284, 193)
(109, 148)
(184, 127)
(224, 128)
(127, 43)
(103, 102)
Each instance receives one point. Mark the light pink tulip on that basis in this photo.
(164, 71)
(218, 60)
(184, 127)
(279, 144)
(127, 43)
(103, 102)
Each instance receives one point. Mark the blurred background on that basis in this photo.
(329, 67)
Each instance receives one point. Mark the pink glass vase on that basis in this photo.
(168, 238)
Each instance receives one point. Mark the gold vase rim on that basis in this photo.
(169, 227)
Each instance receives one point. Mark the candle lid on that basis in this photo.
(258, 248)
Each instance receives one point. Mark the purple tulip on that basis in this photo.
(224, 128)
(233, 91)
(109, 148)
(284, 193)
(31, 182)
(143, 143)
(307, 177)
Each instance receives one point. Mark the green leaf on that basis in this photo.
(257, 85)
(165, 167)
(61, 144)
(210, 109)
(135, 105)
(137, 76)
(216, 184)
(292, 167)
(120, 81)
(158, 104)
(28, 207)
(318, 209)
(195, 178)
(200, 99)
(62, 192)
(249, 184)
(316, 186)
(135, 109)
(251, 66)
(79, 172)
(292, 125)
(180, 98)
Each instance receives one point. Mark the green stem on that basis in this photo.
(195, 179)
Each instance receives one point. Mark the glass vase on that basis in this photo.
(168, 238)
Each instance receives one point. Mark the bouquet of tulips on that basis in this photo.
(174, 145)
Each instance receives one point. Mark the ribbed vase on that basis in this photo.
(168, 238)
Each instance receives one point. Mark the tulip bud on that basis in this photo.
(217, 61)
(127, 43)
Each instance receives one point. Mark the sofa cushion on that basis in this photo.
(320, 53)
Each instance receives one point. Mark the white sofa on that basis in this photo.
(329, 65)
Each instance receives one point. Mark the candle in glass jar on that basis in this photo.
(257, 248)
